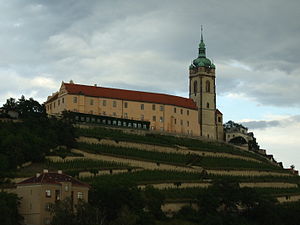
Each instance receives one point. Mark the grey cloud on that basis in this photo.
(148, 45)
(263, 124)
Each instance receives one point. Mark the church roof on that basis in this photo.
(129, 95)
(52, 178)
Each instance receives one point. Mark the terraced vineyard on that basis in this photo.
(180, 167)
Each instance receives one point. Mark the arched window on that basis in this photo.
(207, 86)
(195, 87)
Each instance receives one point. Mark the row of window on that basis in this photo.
(207, 86)
(57, 194)
(142, 106)
(49, 107)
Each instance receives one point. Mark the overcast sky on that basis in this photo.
(148, 45)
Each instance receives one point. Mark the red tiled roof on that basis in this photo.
(52, 178)
(130, 95)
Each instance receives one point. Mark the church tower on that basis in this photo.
(203, 92)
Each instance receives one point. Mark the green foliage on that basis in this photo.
(86, 164)
(9, 204)
(176, 158)
(164, 140)
(31, 140)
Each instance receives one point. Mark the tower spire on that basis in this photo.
(201, 33)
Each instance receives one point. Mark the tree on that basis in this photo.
(9, 204)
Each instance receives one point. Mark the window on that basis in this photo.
(57, 195)
(53, 104)
(48, 206)
(79, 195)
(174, 110)
(195, 87)
(66, 188)
(188, 112)
(181, 111)
(175, 121)
(142, 106)
(161, 108)
(48, 193)
(63, 100)
(219, 119)
(91, 101)
(47, 221)
(153, 107)
(154, 118)
(58, 103)
(207, 86)
(161, 119)
(104, 113)
(114, 104)
(125, 104)
(74, 99)
(104, 103)
(188, 123)
(125, 115)
(142, 117)
(181, 122)
(207, 105)
(114, 114)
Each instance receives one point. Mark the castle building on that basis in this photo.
(195, 116)
(40, 192)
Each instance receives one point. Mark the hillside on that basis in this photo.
(178, 166)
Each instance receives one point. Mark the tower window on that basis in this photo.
(207, 105)
(207, 86)
(195, 87)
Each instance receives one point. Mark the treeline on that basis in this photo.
(32, 137)
(223, 203)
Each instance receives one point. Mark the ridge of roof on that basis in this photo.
(130, 95)
(52, 178)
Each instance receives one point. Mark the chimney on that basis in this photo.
(45, 171)
(59, 171)
(37, 175)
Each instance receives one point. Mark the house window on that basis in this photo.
(195, 87)
(219, 119)
(104, 103)
(207, 105)
(207, 86)
(54, 105)
(161, 108)
(74, 99)
(188, 123)
(174, 110)
(153, 107)
(181, 122)
(79, 195)
(114, 114)
(57, 195)
(175, 121)
(114, 104)
(142, 106)
(161, 119)
(91, 102)
(154, 118)
(63, 100)
(125, 115)
(48, 193)
(48, 206)
(142, 117)
(58, 103)
(181, 111)
(66, 188)
(188, 112)
(125, 104)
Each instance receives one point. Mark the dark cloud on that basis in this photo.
(148, 45)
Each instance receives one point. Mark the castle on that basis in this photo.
(194, 116)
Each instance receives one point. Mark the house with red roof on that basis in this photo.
(38, 193)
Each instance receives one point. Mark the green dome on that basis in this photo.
(202, 62)
(213, 66)
(192, 66)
